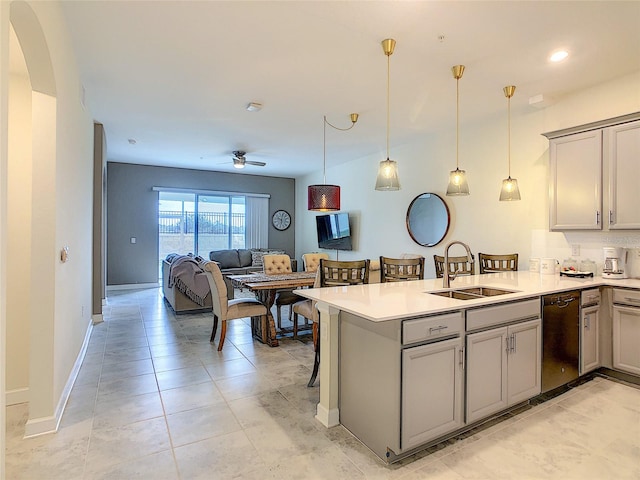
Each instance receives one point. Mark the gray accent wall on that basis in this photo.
(132, 211)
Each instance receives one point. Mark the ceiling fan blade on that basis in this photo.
(258, 164)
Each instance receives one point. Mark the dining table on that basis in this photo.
(266, 287)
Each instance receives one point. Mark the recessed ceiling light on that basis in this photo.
(131, 141)
(254, 107)
(558, 56)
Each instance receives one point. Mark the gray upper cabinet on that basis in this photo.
(575, 201)
(622, 144)
(593, 174)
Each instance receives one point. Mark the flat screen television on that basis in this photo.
(333, 231)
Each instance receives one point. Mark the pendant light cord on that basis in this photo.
(324, 151)
(509, 135)
(457, 117)
(354, 119)
(388, 102)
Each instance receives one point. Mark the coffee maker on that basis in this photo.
(615, 263)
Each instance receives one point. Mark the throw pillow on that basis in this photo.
(245, 257)
(257, 258)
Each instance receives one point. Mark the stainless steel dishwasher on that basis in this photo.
(560, 339)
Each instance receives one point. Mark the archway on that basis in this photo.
(30, 207)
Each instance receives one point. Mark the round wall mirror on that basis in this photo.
(428, 219)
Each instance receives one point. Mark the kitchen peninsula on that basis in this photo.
(384, 344)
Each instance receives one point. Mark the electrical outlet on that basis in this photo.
(575, 250)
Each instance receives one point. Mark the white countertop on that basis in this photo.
(387, 301)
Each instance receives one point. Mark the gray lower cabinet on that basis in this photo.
(401, 381)
(626, 330)
(432, 379)
(503, 368)
(589, 339)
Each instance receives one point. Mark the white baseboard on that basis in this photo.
(17, 395)
(40, 426)
(133, 286)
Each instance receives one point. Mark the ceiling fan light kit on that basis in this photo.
(387, 179)
(239, 160)
(323, 197)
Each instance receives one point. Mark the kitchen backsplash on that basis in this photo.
(560, 245)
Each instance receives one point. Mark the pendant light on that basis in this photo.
(510, 190)
(457, 178)
(388, 171)
(326, 198)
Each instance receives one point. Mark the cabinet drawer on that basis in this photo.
(627, 297)
(504, 313)
(427, 328)
(590, 297)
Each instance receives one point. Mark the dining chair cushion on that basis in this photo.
(306, 308)
(276, 264)
(311, 261)
(245, 307)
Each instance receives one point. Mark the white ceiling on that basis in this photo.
(176, 75)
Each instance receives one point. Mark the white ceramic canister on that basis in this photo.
(534, 264)
(548, 266)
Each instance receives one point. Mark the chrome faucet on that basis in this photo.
(446, 278)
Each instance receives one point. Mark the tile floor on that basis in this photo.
(155, 400)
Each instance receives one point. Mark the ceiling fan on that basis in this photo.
(239, 160)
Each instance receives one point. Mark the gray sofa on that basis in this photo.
(243, 261)
(178, 300)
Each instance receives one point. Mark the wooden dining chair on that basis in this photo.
(331, 273)
(280, 264)
(401, 269)
(498, 263)
(460, 264)
(225, 309)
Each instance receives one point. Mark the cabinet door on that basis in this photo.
(623, 149)
(486, 373)
(589, 341)
(626, 339)
(431, 391)
(524, 361)
(575, 191)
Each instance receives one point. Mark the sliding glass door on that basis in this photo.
(198, 223)
(220, 223)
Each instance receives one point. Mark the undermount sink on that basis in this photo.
(471, 293)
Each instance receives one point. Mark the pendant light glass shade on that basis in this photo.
(457, 178)
(458, 183)
(510, 190)
(387, 178)
(326, 198)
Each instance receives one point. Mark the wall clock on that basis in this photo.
(281, 220)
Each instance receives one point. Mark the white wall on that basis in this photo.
(19, 224)
(61, 180)
(480, 220)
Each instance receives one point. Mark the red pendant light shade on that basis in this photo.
(323, 198)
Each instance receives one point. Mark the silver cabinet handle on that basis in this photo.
(461, 362)
(611, 217)
(587, 322)
(597, 217)
(437, 329)
(632, 300)
(508, 344)
(513, 343)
